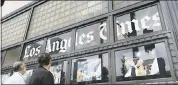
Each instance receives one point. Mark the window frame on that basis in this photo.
(169, 57)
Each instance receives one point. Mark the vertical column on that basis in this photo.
(44, 45)
(110, 22)
(73, 39)
(167, 9)
(69, 68)
(26, 32)
(113, 71)
(28, 23)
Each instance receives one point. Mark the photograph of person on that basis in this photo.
(89, 70)
(136, 65)
(56, 71)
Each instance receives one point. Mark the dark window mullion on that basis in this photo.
(28, 23)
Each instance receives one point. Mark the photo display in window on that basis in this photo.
(59, 44)
(95, 34)
(58, 69)
(138, 23)
(32, 50)
(144, 62)
(92, 69)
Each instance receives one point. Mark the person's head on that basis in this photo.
(44, 60)
(19, 66)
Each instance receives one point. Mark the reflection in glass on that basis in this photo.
(12, 55)
(32, 50)
(59, 44)
(138, 23)
(92, 69)
(2, 56)
(145, 62)
(59, 69)
(91, 35)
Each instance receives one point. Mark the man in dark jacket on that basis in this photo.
(42, 75)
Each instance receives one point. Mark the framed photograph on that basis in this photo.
(56, 70)
(89, 70)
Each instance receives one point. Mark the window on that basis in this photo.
(12, 55)
(138, 23)
(59, 44)
(59, 69)
(32, 50)
(92, 69)
(95, 34)
(80, 10)
(144, 62)
(13, 30)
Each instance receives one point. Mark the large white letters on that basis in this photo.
(144, 20)
(31, 51)
(90, 37)
(156, 18)
(58, 45)
(55, 46)
(37, 50)
(120, 26)
(103, 26)
(48, 46)
(81, 37)
(136, 24)
(86, 38)
(26, 52)
(63, 45)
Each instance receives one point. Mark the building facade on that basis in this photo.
(95, 42)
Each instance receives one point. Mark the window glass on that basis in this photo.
(117, 4)
(13, 30)
(32, 50)
(12, 55)
(59, 44)
(138, 23)
(59, 69)
(53, 15)
(91, 35)
(92, 69)
(144, 62)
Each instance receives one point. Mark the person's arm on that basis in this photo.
(48, 79)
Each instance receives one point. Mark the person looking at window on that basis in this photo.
(17, 77)
(42, 75)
